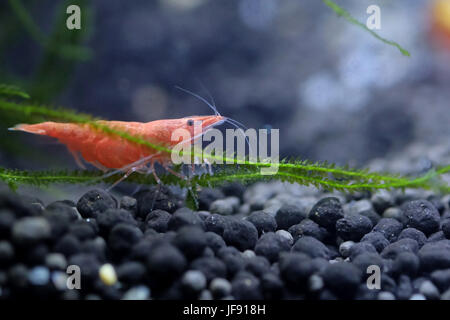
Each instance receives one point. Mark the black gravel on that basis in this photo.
(149, 246)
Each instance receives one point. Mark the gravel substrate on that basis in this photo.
(267, 241)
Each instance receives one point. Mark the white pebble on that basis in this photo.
(39, 276)
(386, 295)
(417, 296)
(205, 295)
(315, 283)
(59, 280)
(220, 287)
(344, 248)
(194, 279)
(249, 254)
(221, 206)
(108, 274)
(234, 201)
(392, 212)
(285, 235)
(137, 293)
(429, 290)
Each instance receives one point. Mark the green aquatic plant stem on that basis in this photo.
(301, 171)
(12, 91)
(347, 16)
(70, 116)
(45, 178)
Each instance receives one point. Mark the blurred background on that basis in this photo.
(335, 92)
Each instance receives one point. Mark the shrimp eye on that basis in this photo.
(190, 122)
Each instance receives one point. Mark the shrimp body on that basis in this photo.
(113, 152)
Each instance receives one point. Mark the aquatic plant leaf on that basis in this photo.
(12, 91)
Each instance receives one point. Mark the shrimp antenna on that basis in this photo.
(240, 127)
(208, 93)
(200, 98)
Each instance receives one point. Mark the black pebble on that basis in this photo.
(435, 255)
(216, 223)
(157, 197)
(110, 218)
(165, 262)
(68, 245)
(31, 230)
(158, 220)
(122, 237)
(258, 266)
(245, 286)
(18, 204)
(404, 288)
(288, 215)
(184, 217)
(272, 286)
(309, 228)
(211, 267)
(17, 276)
(312, 247)
(377, 239)
(232, 258)
(342, 279)
(406, 263)
(446, 228)
(241, 234)
(129, 204)
(59, 223)
(191, 240)
(82, 230)
(207, 196)
(89, 266)
(62, 208)
(270, 245)
(364, 260)
(263, 221)
(214, 241)
(360, 248)
(389, 227)
(353, 227)
(372, 215)
(403, 245)
(95, 201)
(95, 246)
(441, 278)
(6, 222)
(422, 215)
(326, 212)
(437, 236)
(415, 234)
(6, 253)
(131, 272)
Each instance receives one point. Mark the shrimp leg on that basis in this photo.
(152, 168)
(129, 172)
(77, 158)
(179, 175)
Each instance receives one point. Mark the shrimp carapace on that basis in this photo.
(113, 152)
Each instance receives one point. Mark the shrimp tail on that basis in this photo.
(40, 128)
